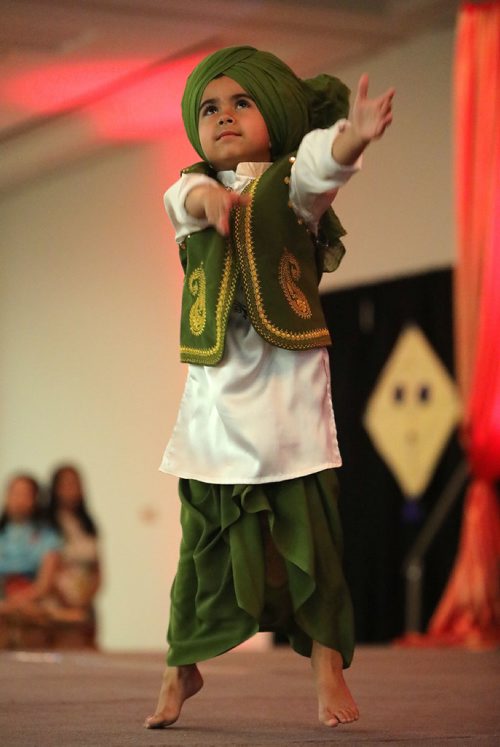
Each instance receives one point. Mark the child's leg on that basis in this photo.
(275, 569)
(190, 634)
(178, 684)
(336, 704)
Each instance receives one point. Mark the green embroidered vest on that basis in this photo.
(279, 261)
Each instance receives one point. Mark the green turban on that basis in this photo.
(291, 107)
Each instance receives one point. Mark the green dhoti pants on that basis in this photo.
(220, 597)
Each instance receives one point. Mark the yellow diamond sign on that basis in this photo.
(412, 412)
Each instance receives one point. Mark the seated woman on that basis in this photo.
(28, 559)
(78, 575)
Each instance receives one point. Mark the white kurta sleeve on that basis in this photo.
(175, 198)
(316, 176)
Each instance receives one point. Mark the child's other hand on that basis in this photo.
(218, 206)
(370, 117)
(214, 203)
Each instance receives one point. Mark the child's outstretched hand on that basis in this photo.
(370, 117)
(214, 204)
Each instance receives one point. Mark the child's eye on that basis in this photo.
(242, 104)
(209, 109)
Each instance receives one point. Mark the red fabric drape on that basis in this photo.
(469, 611)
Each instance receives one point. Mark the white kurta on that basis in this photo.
(263, 414)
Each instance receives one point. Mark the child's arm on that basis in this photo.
(35, 591)
(327, 159)
(369, 119)
(197, 201)
(213, 204)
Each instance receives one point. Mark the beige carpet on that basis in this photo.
(407, 697)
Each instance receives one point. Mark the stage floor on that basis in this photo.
(406, 696)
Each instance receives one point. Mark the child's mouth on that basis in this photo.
(227, 133)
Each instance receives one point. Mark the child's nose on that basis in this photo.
(225, 118)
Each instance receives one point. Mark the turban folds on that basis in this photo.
(291, 107)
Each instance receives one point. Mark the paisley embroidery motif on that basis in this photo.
(274, 334)
(289, 274)
(198, 313)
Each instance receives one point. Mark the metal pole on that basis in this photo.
(413, 565)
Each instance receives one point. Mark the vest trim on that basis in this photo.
(246, 251)
(227, 289)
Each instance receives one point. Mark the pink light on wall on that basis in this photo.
(49, 89)
(123, 100)
(148, 108)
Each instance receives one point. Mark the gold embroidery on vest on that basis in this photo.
(224, 300)
(289, 274)
(245, 244)
(198, 313)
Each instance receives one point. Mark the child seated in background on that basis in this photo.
(78, 575)
(28, 557)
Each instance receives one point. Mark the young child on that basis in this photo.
(255, 441)
(28, 555)
(78, 576)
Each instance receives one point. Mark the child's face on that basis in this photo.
(231, 128)
(68, 489)
(20, 503)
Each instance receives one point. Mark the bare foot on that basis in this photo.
(336, 704)
(179, 684)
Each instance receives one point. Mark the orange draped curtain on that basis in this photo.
(469, 613)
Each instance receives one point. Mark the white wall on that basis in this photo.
(89, 310)
(398, 211)
(89, 316)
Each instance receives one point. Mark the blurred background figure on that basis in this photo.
(28, 566)
(78, 575)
